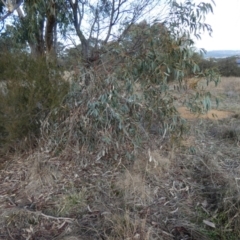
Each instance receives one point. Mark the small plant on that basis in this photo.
(72, 203)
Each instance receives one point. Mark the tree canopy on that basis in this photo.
(43, 23)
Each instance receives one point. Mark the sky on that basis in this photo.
(225, 23)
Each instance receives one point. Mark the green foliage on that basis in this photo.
(226, 66)
(187, 17)
(12, 41)
(128, 99)
(223, 221)
(29, 91)
(71, 56)
(166, 59)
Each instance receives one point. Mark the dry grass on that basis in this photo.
(189, 192)
(226, 85)
(228, 92)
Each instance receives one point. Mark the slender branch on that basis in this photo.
(20, 13)
(110, 22)
(38, 213)
(118, 10)
(95, 20)
(5, 16)
(10, 11)
(81, 14)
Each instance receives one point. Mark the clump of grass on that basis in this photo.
(214, 172)
(72, 203)
(124, 226)
(41, 173)
(232, 133)
(229, 130)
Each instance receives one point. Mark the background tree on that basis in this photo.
(37, 22)
(11, 41)
(105, 19)
(97, 22)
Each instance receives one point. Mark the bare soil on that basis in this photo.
(212, 114)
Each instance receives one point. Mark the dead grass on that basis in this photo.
(189, 192)
(226, 85)
(229, 93)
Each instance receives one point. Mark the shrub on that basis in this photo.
(226, 66)
(128, 102)
(31, 92)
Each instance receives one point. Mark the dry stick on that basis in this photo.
(56, 218)
(10, 235)
(47, 216)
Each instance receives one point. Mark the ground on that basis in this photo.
(188, 191)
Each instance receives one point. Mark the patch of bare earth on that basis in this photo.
(212, 114)
(188, 191)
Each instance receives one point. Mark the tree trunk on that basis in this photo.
(49, 36)
(77, 25)
(43, 45)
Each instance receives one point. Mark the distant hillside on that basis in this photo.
(222, 53)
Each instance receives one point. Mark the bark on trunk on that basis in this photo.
(49, 35)
(77, 25)
(43, 45)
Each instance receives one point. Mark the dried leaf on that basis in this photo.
(210, 224)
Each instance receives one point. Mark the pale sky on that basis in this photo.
(225, 23)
